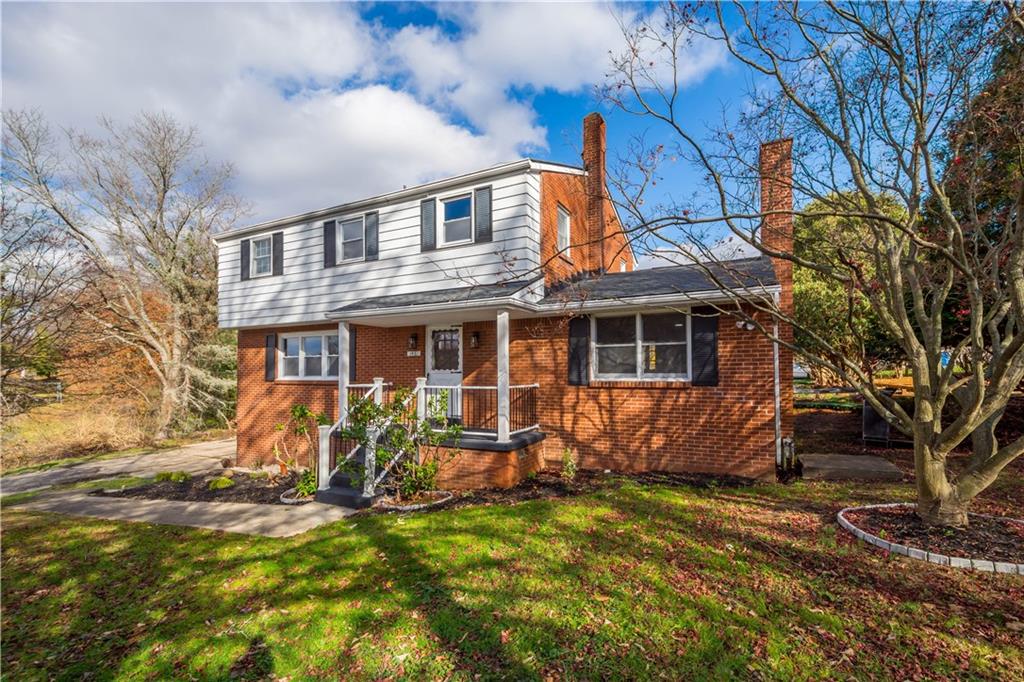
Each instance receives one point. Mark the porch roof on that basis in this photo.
(697, 281)
(470, 294)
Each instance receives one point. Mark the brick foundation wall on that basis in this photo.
(465, 469)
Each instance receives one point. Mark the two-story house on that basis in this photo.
(512, 290)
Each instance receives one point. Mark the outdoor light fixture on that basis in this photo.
(748, 325)
(474, 339)
(413, 341)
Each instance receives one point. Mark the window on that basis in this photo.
(457, 219)
(564, 231)
(350, 239)
(309, 356)
(445, 350)
(641, 346)
(622, 265)
(260, 255)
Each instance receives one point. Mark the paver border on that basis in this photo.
(920, 554)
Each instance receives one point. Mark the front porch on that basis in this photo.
(464, 369)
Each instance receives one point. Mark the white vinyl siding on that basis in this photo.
(308, 356)
(307, 291)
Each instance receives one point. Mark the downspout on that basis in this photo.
(778, 392)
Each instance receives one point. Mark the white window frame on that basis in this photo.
(269, 239)
(563, 249)
(441, 235)
(339, 239)
(324, 357)
(638, 342)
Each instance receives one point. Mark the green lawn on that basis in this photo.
(628, 582)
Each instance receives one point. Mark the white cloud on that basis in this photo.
(313, 104)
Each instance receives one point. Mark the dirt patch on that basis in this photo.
(246, 488)
(986, 538)
(548, 485)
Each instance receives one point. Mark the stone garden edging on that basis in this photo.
(920, 554)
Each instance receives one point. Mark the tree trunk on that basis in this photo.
(171, 401)
(938, 503)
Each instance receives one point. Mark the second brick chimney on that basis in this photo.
(594, 146)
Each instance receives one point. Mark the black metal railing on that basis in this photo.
(522, 407)
(475, 408)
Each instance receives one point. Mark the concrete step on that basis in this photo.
(830, 467)
(344, 497)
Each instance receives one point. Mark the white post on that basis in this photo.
(370, 463)
(503, 382)
(378, 390)
(421, 398)
(343, 370)
(323, 472)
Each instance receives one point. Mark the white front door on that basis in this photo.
(444, 364)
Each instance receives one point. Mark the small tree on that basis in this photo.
(918, 102)
(410, 446)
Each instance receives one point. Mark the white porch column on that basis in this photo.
(503, 372)
(343, 369)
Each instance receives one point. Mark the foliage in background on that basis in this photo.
(139, 204)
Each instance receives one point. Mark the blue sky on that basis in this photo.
(318, 104)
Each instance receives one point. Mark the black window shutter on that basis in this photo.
(245, 259)
(579, 351)
(352, 354)
(330, 243)
(428, 225)
(482, 209)
(372, 222)
(269, 357)
(704, 328)
(277, 249)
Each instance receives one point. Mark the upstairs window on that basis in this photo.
(457, 220)
(564, 230)
(641, 346)
(260, 257)
(309, 356)
(351, 239)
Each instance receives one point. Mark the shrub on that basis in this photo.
(172, 476)
(306, 487)
(418, 478)
(220, 483)
(568, 465)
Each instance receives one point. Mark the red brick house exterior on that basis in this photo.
(730, 424)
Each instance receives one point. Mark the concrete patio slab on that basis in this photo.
(273, 521)
(195, 459)
(845, 467)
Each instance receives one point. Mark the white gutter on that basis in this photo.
(398, 195)
(778, 396)
(567, 308)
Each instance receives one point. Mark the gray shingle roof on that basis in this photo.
(436, 297)
(746, 272)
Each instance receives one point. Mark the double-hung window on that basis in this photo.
(564, 231)
(309, 356)
(641, 346)
(351, 239)
(260, 257)
(457, 219)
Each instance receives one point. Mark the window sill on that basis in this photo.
(306, 380)
(640, 383)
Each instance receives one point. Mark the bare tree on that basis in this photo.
(141, 204)
(39, 286)
(880, 100)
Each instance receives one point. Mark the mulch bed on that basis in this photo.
(986, 538)
(548, 485)
(246, 489)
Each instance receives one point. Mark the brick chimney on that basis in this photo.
(776, 171)
(594, 146)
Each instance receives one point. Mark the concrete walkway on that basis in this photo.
(846, 467)
(268, 520)
(195, 459)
